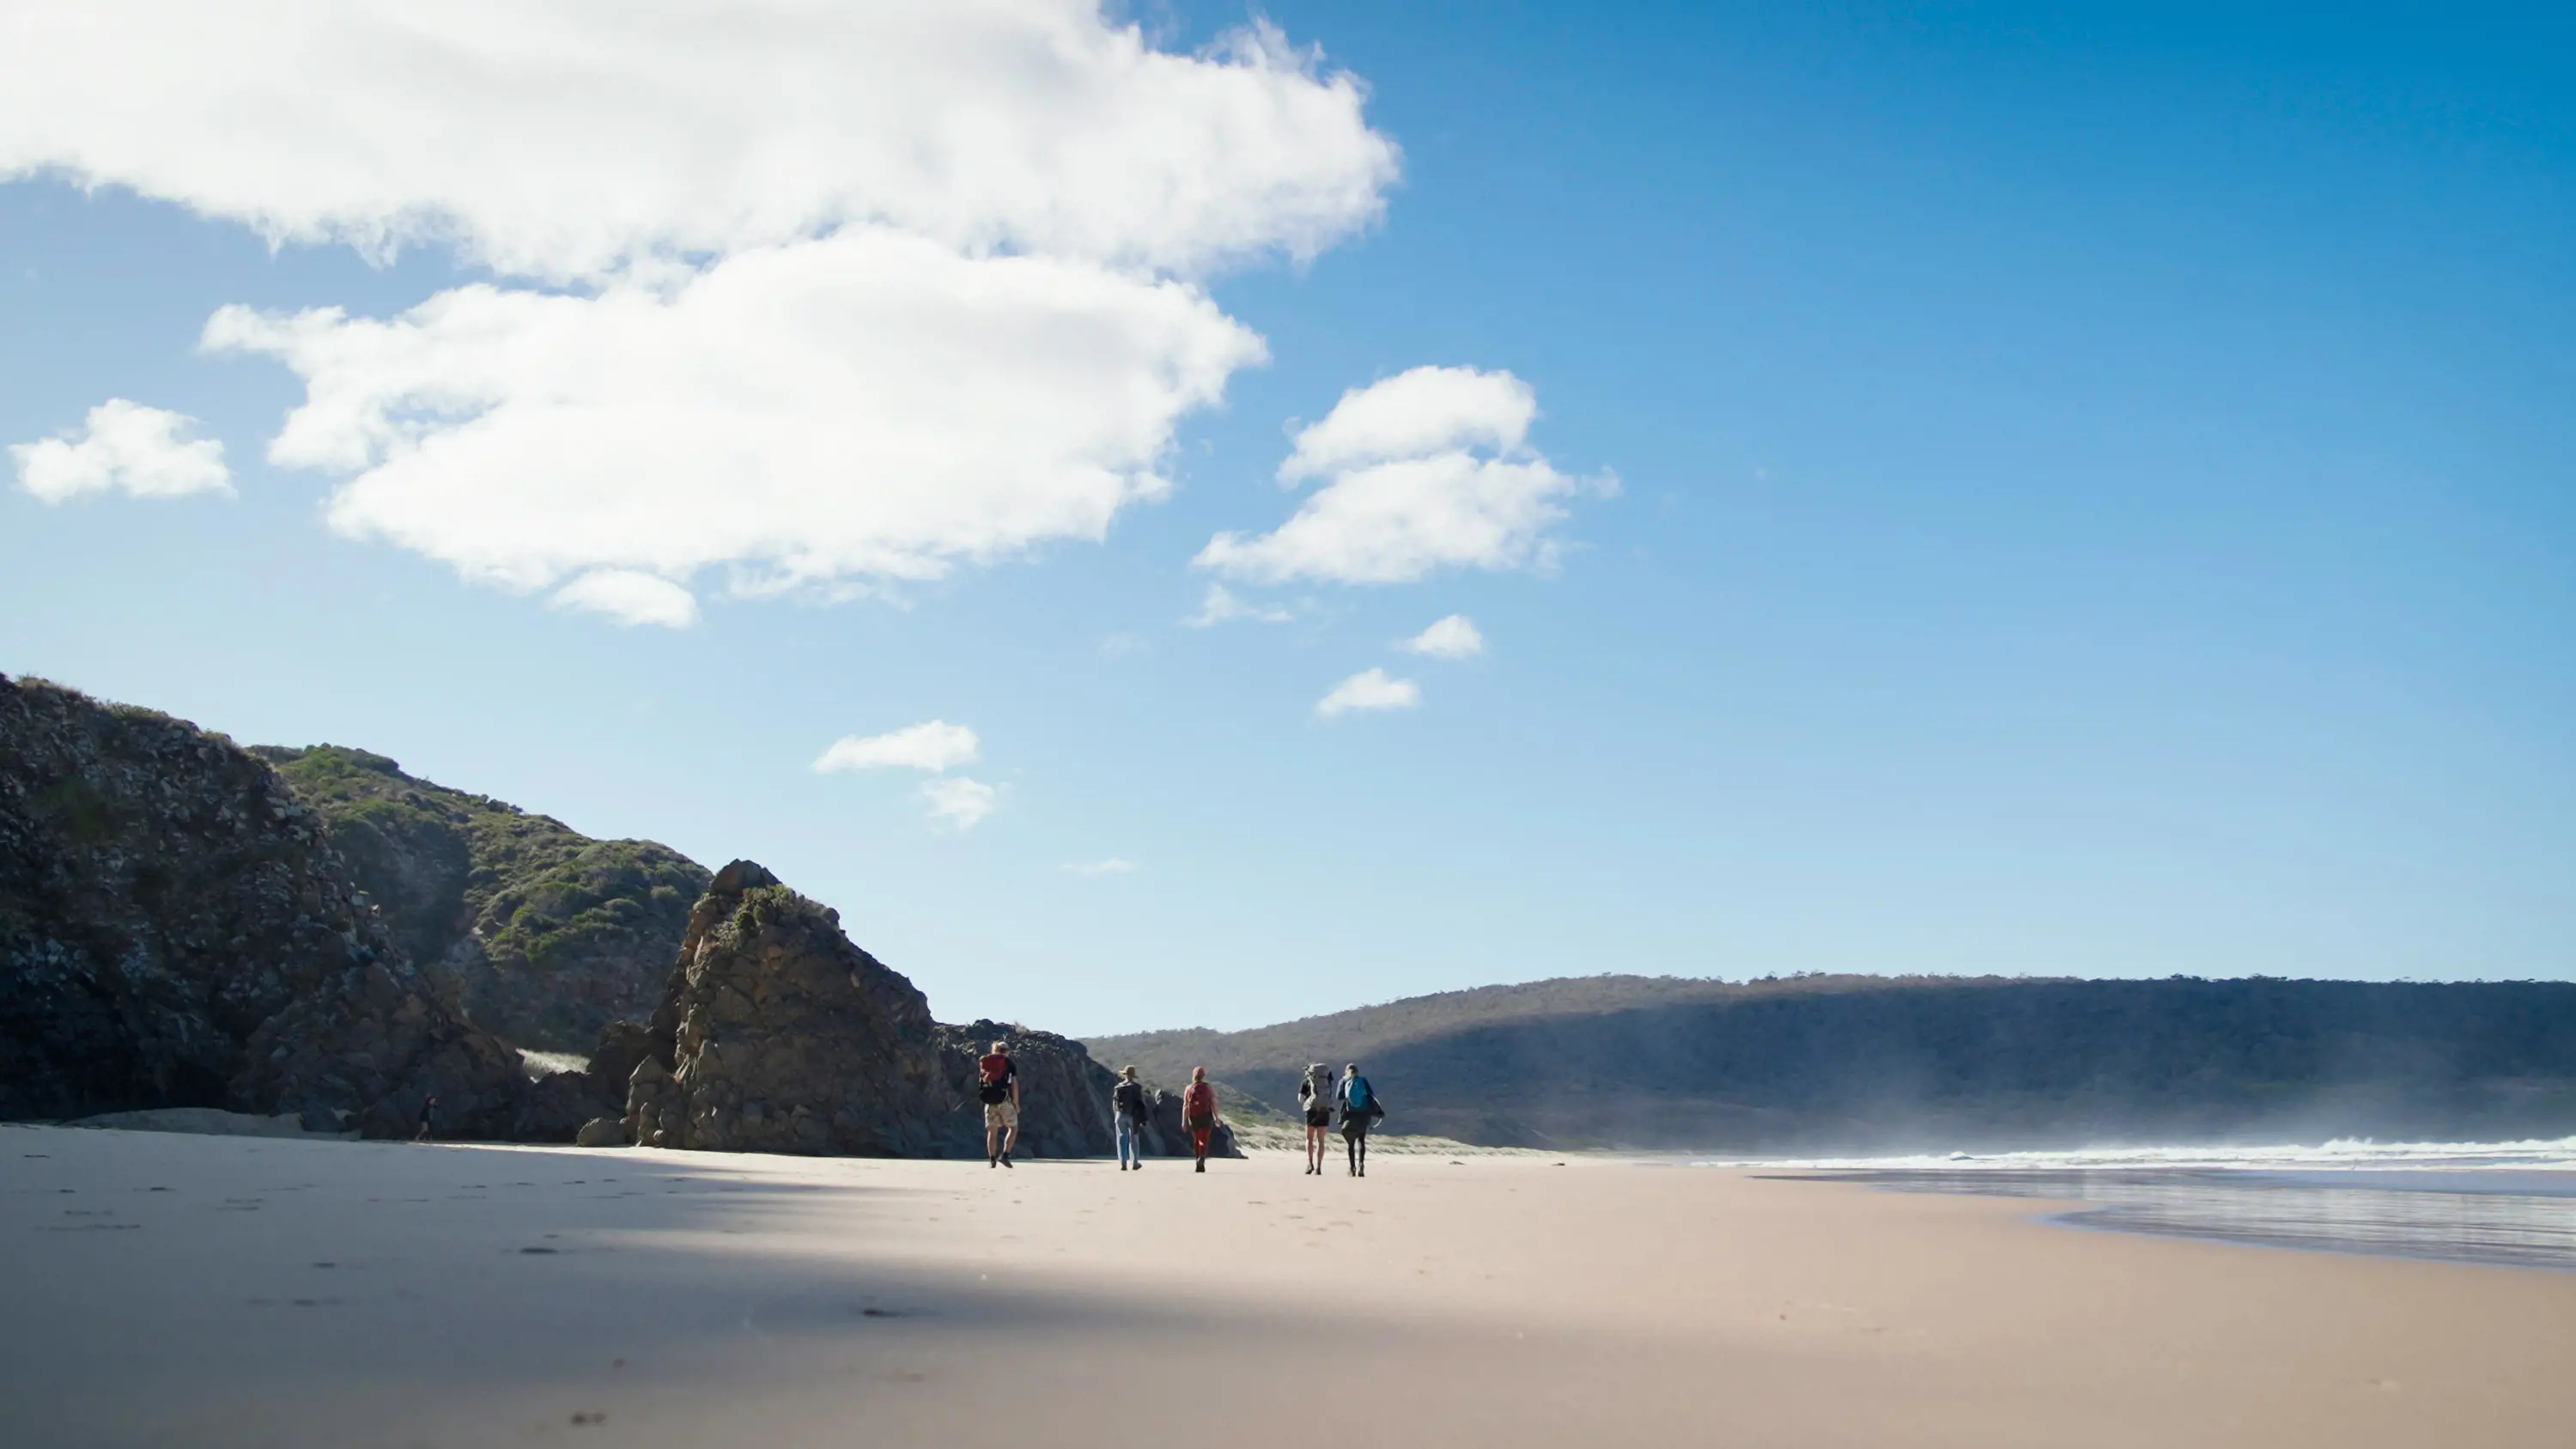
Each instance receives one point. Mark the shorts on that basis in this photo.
(1319, 1117)
(1001, 1114)
(1357, 1126)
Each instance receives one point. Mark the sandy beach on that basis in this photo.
(227, 1291)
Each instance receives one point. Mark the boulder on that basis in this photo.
(601, 1132)
(622, 1044)
(776, 1034)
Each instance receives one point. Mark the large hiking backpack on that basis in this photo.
(1357, 1099)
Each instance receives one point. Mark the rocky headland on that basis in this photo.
(187, 925)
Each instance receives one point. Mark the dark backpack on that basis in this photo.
(997, 1087)
(1129, 1098)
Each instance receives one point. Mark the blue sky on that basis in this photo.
(2034, 495)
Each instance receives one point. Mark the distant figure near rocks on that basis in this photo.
(1198, 1111)
(1315, 1097)
(998, 1079)
(1129, 1103)
(428, 1110)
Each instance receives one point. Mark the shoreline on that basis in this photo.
(2496, 1218)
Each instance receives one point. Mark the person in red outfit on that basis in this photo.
(1198, 1110)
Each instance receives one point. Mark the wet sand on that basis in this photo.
(224, 1291)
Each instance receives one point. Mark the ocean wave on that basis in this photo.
(2556, 1154)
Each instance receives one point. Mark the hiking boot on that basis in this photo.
(1202, 1164)
(1006, 1159)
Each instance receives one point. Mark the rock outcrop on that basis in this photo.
(778, 1035)
(176, 930)
(538, 933)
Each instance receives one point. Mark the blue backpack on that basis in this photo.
(1357, 1100)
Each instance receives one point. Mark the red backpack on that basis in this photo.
(1199, 1100)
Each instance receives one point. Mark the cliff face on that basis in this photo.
(176, 930)
(778, 1035)
(538, 933)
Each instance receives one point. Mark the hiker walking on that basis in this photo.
(428, 1112)
(1198, 1111)
(1360, 1111)
(997, 1082)
(1315, 1096)
(1128, 1105)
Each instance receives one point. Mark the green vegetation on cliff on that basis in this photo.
(542, 933)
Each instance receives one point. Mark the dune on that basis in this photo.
(214, 1290)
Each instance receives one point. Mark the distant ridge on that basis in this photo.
(1865, 1062)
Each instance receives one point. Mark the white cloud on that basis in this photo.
(934, 746)
(630, 597)
(1369, 689)
(1415, 414)
(568, 140)
(1221, 605)
(1425, 470)
(1455, 637)
(834, 296)
(1112, 866)
(864, 405)
(959, 802)
(124, 445)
